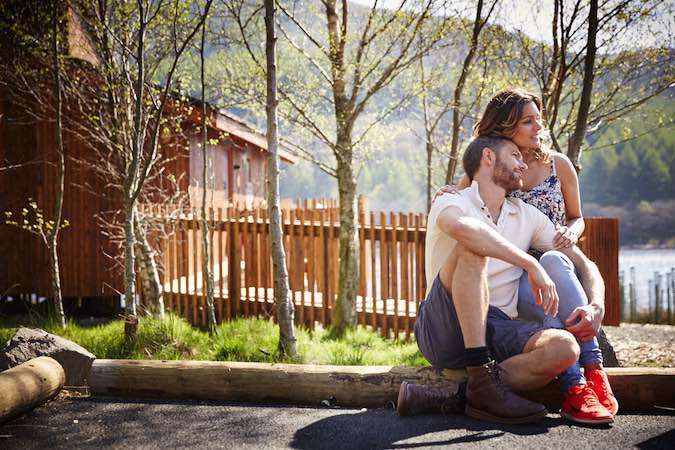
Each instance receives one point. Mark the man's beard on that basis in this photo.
(505, 178)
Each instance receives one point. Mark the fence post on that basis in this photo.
(622, 296)
(373, 272)
(632, 292)
(384, 272)
(221, 296)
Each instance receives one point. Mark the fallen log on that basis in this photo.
(28, 385)
(354, 386)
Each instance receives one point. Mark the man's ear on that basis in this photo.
(488, 156)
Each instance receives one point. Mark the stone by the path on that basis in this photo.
(30, 343)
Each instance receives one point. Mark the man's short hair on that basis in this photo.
(474, 152)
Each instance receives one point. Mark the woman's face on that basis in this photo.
(526, 133)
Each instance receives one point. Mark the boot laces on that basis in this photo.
(495, 371)
(448, 403)
(454, 403)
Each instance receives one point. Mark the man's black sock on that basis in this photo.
(476, 356)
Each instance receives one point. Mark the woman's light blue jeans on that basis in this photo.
(571, 295)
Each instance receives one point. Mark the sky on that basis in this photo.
(533, 17)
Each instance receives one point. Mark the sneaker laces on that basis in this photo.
(588, 396)
(602, 384)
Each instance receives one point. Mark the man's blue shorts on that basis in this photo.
(439, 335)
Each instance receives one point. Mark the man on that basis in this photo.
(476, 248)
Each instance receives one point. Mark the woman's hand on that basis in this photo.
(447, 189)
(564, 238)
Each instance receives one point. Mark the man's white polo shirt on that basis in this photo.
(522, 224)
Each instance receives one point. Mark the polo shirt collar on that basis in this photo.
(473, 194)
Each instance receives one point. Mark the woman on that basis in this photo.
(550, 183)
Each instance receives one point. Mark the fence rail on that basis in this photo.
(391, 282)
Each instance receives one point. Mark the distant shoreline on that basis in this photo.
(645, 247)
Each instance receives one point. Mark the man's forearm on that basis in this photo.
(483, 240)
(591, 279)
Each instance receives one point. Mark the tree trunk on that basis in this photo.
(282, 294)
(428, 132)
(577, 139)
(129, 259)
(637, 388)
(53, 234)
(344, 310)
(28, 385)
(430, 153)
(549, 82)
(459, 88)
(206, 242)
(151, 286)
(132, 178)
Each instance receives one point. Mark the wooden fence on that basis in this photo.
(391, 281)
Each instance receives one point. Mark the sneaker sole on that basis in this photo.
(482, 415)
(586, 421)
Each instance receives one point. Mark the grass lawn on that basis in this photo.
(239, 340)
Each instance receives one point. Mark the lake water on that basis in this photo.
(645, 262)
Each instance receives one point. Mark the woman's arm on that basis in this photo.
(569, 184)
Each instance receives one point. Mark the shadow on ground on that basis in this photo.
(380, 429)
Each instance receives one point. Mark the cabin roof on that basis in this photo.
(229, 123)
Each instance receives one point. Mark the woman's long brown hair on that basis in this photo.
(502, 114)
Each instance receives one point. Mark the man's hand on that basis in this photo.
(584, 322)
(544, 290)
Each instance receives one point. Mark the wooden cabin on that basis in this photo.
(27, 172)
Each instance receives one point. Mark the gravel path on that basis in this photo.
(643, 345)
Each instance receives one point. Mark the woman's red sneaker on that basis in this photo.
(582, 405)
(597, 380)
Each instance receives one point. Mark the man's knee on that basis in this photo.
(470, 260)
(472, 267)
(553, 259)
(562, 350)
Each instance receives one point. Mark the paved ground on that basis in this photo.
(110, 423)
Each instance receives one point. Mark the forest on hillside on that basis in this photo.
(634, 179)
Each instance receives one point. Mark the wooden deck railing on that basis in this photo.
(391, 282)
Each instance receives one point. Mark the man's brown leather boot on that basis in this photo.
(489, 398)
(418, 399)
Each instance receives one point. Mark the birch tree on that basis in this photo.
(207, 245)
(125, 106)
(53, 232)
(282, 293)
